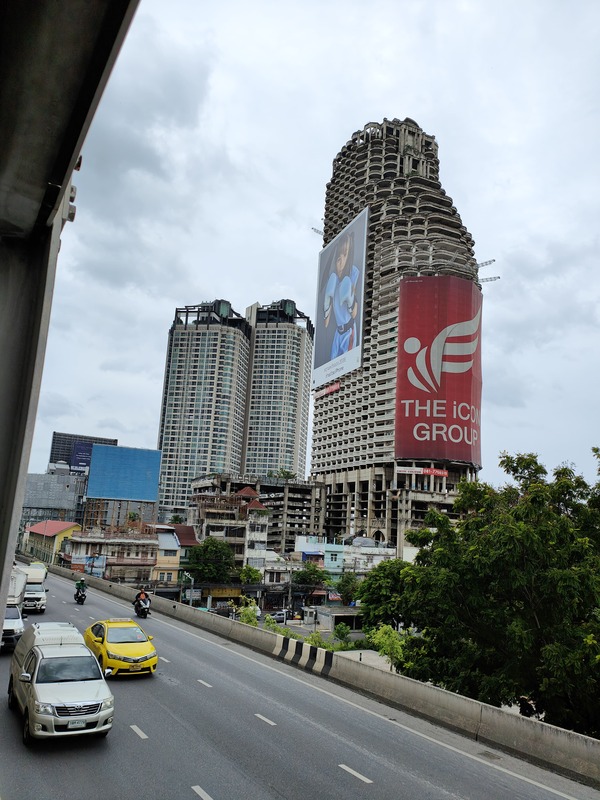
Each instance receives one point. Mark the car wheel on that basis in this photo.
(27, 737)
(12, 703)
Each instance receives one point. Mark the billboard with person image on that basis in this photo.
(339, 313)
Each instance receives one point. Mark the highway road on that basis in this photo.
(221, 722)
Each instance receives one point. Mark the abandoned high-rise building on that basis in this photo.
(397, 368)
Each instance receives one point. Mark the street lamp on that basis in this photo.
(191, 580)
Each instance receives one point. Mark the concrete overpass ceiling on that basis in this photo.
(55, 59)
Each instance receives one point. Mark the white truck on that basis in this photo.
(12, 628)
(35, 591)
(57, 685)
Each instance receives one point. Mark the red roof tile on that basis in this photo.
(256, 504)
(246, 492)
(52, 527)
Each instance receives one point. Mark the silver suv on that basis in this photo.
(56, 684)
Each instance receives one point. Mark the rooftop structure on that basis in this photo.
(294, 507)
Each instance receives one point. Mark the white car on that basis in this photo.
(57, 685)
(279, 616)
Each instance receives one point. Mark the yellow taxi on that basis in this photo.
(122, 646)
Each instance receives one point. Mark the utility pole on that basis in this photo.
(289, 602)
(191, 580)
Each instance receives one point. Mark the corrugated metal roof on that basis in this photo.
(167, 541)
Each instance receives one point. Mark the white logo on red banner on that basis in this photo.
(444, 355)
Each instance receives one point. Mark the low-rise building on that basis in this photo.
(45, 540)
(187, 539)
(238, 519)
(127, 556)
(296, 507)
(359, 555)
(166, 569)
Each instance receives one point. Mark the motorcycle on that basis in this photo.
(142, 610)
(80, 596)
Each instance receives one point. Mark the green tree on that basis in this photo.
(176, 519)
(388, 642)
(507, 600)
(310, 578)
(347, 586)
(316, 639)
(285, 474)
(248, 613)
(250, 574)
(380, 595)
(342, 632)
(211, 562)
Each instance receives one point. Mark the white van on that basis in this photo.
(56, 684)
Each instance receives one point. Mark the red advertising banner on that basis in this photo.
(438, 389)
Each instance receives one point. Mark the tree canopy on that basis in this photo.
(310, 578)
(250, 574)
(211, 562)
(347, 586)
(506, 601)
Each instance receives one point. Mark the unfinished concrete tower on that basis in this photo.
(397, 367)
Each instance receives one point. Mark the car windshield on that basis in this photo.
(11, 613)
(65, 669)
(126, 635)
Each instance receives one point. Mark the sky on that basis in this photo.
(205, 168)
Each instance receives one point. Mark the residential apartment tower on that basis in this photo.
(235, 397)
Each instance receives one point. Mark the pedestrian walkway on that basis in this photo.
(370, 657)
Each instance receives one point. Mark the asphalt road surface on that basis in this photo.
(221, 722)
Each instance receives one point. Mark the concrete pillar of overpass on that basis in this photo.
(27, 273)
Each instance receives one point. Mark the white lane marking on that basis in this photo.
(201, 793)
(166, 660)
(204, 683)
(356, 774)
(139, 732)
(264, 719)
(227, 648)
(482, 761)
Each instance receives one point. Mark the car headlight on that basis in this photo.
(149, 656)
(44, 708)
(129, 659)
(108, 703)
(115, 656)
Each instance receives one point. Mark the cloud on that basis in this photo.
(206, 166)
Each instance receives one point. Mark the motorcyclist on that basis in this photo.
(80, 587)
(142, 599)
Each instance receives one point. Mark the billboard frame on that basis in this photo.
(339, 304)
